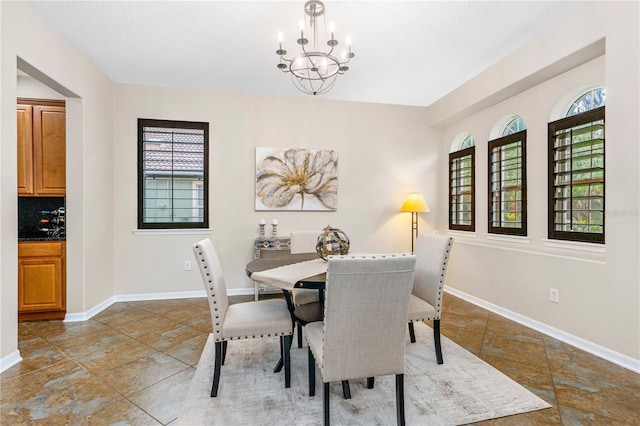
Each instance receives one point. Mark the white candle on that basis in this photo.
(262, 221)
(274, 222)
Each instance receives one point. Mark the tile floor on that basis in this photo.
(132, 364)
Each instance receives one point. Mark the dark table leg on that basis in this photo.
(287, 298)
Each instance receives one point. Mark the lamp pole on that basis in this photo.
(415, 204)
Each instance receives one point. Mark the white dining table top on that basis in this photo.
(285, 277)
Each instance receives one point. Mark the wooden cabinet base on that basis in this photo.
(41, 280)
(35, 316)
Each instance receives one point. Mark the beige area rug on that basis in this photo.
(463, 390)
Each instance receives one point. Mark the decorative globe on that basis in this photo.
(332, 241)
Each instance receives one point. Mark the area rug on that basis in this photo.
(463, 390)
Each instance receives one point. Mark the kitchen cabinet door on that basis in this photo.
(49, 150)
(25, 149)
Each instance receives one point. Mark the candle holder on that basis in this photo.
(262, 230)
(274, 232)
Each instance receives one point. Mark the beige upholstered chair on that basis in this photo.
(363, 332)
(305, 242)
(432, 252)
(241, 320)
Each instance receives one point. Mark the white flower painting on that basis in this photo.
(296, 179)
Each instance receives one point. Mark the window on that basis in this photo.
(462, 187)
(507, 182)
(516, 125)
(591, 100)
(576, 175)
(172, 174)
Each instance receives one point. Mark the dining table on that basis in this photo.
(291, 271)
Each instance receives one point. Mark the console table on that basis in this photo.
(270, 247)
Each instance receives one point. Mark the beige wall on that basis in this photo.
(599, 292)
(52, 60)
(384, 153)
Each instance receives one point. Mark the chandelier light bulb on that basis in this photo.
(280, 36)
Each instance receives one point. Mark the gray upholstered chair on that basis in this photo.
(305, 242)
(432, 252)
(363, 331)
(240, 320)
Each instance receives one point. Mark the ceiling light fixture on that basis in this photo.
(312, 71)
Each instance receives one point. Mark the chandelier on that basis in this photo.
(312, 71)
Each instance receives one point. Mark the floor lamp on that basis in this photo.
(415, 204)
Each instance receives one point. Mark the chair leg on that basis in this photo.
(216, 368)
(400, 398)
(224, 351)
(412, 334)
(325, 404)
(346, 389)
(312, 373)
(299, 330)
(280, 363)
(436, 339)
(370, 382)
(286, 342)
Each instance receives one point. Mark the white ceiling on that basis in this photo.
(407, 52)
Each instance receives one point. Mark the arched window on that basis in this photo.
(468, 142)
(591, 100)
(462, 184)
(515, 125)
(576, 170)
(507, 178)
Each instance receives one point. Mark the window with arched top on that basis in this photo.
(591, 100)
(507, 180)
(462, 184)
(576, 158)
(514, 126)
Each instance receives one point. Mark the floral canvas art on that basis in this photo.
(296, 179)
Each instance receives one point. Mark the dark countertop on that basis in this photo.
(41, 239)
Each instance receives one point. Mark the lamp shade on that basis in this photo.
(415, 203)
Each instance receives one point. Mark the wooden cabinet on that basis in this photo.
(41, 280)
(41, 148)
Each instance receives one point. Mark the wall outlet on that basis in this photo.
(187, 265)
(554, 295)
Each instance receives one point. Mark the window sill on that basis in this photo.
(199, 231)
(575, 245)
(465, 234)
(508, 238)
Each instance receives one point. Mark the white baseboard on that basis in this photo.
(84, 316)
(10, 360)
(578, 342)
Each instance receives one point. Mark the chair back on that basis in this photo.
(366, 307)
(214, 283)
(432, 252)
(304, 241)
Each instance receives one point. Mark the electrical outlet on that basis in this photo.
(554, 295)
(187, 265)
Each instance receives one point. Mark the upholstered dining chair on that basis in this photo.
(245, 320)
(432, 252)
(305, 242)
(363, 331)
